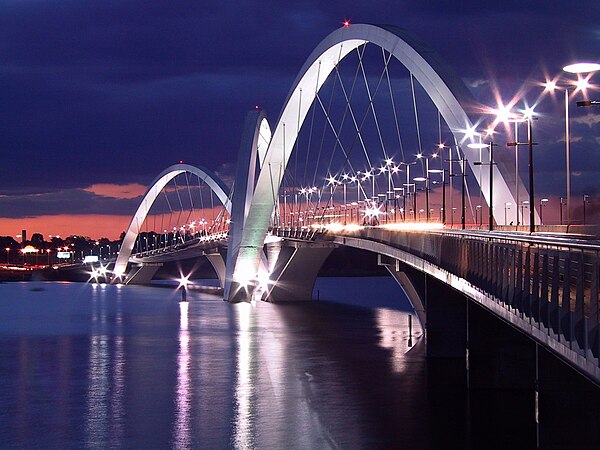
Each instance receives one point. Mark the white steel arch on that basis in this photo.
(256, 136)
(446, 90)
(214, 182)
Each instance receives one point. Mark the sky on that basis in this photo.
(98, 97)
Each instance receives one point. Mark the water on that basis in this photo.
(88, 366)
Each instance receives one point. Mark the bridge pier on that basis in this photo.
(440, 309)
(294, 267)
(217, 261)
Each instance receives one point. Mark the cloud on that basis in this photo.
(66, 201)
(132, 190)
(572, 139)
(478, 83)
(589, 119)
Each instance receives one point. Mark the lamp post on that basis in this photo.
(524, 204)
(507, 206)
(543, 203)
(462, 191)
(441, 148)
(491, 180)
(581, 84)
(396, 197)
(528, 119)
(426, 180)
(562, 202)
(586, 199)
(7, 254)
(407, 186)
(344, 183)
(478, 210)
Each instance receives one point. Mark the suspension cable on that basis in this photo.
(387, 74)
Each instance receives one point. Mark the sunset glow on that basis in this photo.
(94, 225)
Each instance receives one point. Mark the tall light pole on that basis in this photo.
(528, 118)
(426, 180)
(581, 84)
(462, 162)
(530, 165)
(441, 148)
(491, 180)
(407, 186)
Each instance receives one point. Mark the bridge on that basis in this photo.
(371, 106)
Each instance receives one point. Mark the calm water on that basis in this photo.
(87, 366)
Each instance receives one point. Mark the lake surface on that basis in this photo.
(97, 366)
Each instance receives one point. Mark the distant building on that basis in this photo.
(23, 236)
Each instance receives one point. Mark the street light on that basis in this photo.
(581, 84)
(586, 199)
(543, 203)
(408, 184)
(524, 204)
(491, 180)
(507, 206)
(528, 118)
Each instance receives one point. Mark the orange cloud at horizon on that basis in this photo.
(131, 190)
(95, 226)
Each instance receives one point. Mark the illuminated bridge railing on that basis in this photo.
(552, 283)
(196, 241)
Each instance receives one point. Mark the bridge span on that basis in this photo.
(285, 214)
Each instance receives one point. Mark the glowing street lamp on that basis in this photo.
(7, 254)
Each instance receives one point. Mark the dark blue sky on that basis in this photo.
(115, 91)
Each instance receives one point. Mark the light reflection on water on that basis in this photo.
(182, 428)
(242, 433)
(134, 367)
(394, 337)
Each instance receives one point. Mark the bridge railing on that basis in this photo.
(553, 285)
(194, 240)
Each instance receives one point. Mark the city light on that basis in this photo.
(582, 67)
(184, 280)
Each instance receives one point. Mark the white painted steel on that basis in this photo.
(215, 184)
